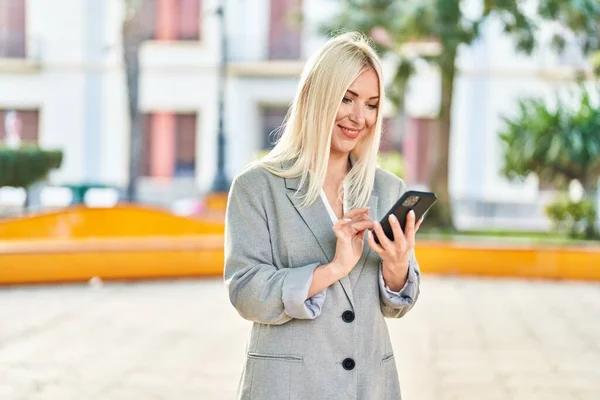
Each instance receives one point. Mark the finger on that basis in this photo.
(396, 229)
(365, 217)
(372, 244)
(410, 225)
(361, 217)
(418, 224)
(341, 224)
(361, 226)
(384, 241)
(356, 212)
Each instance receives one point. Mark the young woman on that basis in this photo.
(295, 259)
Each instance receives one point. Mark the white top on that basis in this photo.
(330, 211)
(334, 220)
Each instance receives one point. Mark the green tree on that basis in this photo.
(580, 17)
(595, 62)
(558, 144)
(445, 23)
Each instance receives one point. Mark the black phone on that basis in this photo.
(421, 202)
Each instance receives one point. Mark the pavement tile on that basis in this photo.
(467, 338)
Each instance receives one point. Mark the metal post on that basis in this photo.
(221, 182)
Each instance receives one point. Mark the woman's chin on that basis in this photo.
(343, 149)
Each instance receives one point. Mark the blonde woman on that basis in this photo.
(296, 264)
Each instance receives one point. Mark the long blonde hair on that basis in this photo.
(303, 149)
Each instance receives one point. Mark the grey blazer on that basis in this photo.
(335, 345)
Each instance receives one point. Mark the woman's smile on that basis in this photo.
(350, 133)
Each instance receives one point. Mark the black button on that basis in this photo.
(348, 316)
(348, 364)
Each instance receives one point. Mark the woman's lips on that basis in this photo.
(349, 133)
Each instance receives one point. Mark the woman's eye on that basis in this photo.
(372, 106)
(346, 100)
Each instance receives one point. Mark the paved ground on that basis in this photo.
(465, 339)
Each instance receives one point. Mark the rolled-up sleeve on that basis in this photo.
(397, 304)
(258, 290)
(294, 292)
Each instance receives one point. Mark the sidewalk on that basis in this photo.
(465, 339)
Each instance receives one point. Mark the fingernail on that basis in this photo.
(393, 218)
(412, 212)
(347, 219)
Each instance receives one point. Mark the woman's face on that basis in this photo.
(357, 113)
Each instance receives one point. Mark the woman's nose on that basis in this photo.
(357, 115)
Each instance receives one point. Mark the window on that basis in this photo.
(19, 126)
(169, 145)
(285, 28)
(171, 19)
(417, 148)
(12, 29)
(272, 119)
(185, 145)
(146, 156)
(188, 18)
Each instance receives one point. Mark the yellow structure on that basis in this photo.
(123, 242)
(134, 242)
(496, 260)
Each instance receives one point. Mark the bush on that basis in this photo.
(558, 144)
(575, 218)
(26, 165)
(393, 162)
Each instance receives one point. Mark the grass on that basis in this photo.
(497, 233)
(504, 236)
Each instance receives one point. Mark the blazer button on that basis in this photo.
(348, 316)
(348, 364)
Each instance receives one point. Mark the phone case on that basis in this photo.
(415, 200)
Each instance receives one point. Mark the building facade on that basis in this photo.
(62, 73)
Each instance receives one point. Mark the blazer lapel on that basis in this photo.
(356, 271)
(318, 221)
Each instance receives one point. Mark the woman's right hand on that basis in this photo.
(349, 232)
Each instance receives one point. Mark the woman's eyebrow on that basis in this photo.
(356, 95)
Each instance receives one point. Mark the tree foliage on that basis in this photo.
(395, 23)
(578, 20)
(440, 21)
(558, 144)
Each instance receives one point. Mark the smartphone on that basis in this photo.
(421, 202)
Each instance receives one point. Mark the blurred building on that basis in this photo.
(270, 41)
(61, 70)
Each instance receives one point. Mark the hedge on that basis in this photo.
(26, 165)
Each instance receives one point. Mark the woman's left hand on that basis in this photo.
(395, 254)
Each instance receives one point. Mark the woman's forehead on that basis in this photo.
(366, 84)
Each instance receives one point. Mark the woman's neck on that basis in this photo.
(337, 168)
